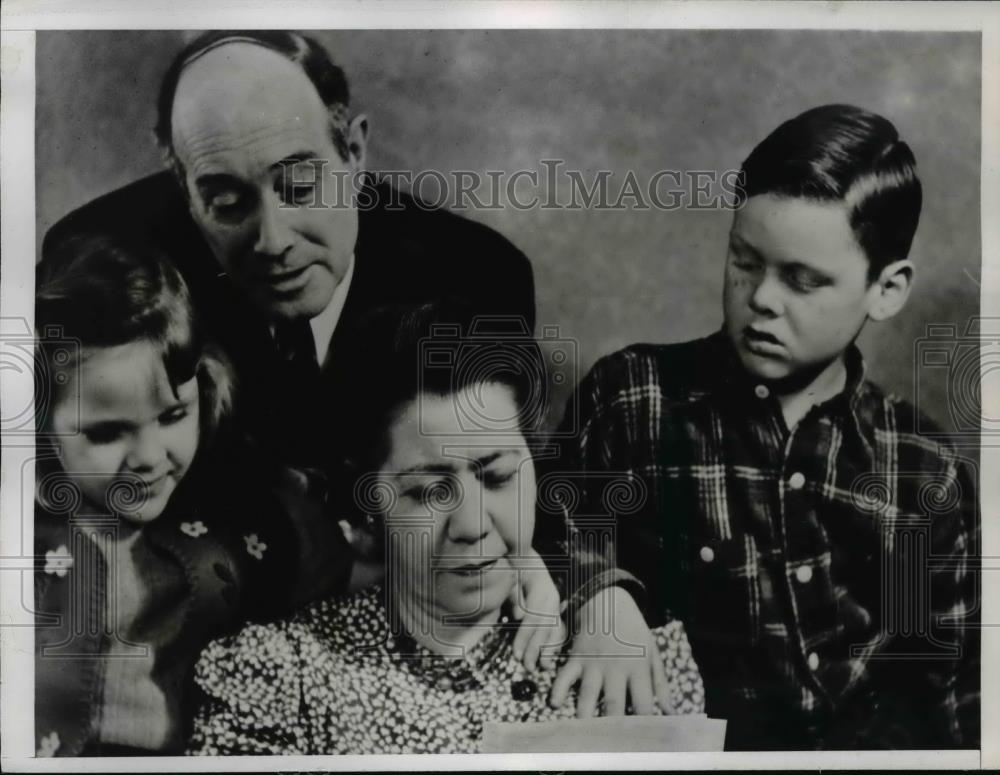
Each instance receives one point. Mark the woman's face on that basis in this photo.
(464, 505)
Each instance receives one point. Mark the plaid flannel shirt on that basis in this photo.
(826, 575)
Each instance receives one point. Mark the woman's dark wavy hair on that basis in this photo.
(848, 154)
(310, 56)
(438, 348)
(98, 291)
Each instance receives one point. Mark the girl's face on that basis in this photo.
(464, 505)
(119, 422)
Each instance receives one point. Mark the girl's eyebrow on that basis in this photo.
(104, 425)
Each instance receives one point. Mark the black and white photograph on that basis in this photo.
(522, 388)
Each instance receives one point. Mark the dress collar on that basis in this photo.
(491, 655)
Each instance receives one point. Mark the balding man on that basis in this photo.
(258, 212)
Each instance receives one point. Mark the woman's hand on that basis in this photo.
(535, 603)
(614, 655)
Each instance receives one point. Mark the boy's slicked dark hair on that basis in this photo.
(319, 68)
(845, 153)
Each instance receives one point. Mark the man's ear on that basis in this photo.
(891, 290)
(357, 141)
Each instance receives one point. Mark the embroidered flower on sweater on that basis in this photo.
(49, 744)
(255, 547)
(58, 561)
(194, 529)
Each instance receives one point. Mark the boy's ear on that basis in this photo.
(357, 141)
(891, 290)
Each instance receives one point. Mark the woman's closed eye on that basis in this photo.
(498, 478)
(433, 491)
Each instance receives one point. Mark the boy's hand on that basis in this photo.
(614, 654)
(535, 603)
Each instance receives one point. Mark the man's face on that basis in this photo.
(254, 140)
(796, 290)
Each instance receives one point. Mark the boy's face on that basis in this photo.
(796, 286)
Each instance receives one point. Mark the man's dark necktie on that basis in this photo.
(297, 349)
(300, 409)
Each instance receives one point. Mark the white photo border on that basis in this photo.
(20, 20)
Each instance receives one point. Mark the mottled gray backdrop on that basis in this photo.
(616, 100)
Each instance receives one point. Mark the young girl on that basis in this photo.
(153, 538)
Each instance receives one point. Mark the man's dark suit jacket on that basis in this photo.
(405, 252)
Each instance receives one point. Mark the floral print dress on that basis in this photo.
(335, 680)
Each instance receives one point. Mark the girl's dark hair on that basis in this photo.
(316, 64)
(845, 153)
(98, 291)
(438, 348)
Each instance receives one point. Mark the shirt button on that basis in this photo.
(796, 480)
(523, 690)
(804, 574)
(707, 555)
(813, 661)
(761, 391)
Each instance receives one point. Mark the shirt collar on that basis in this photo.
(324, 324)
(738, 384)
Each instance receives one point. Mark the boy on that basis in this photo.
(786, 494)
